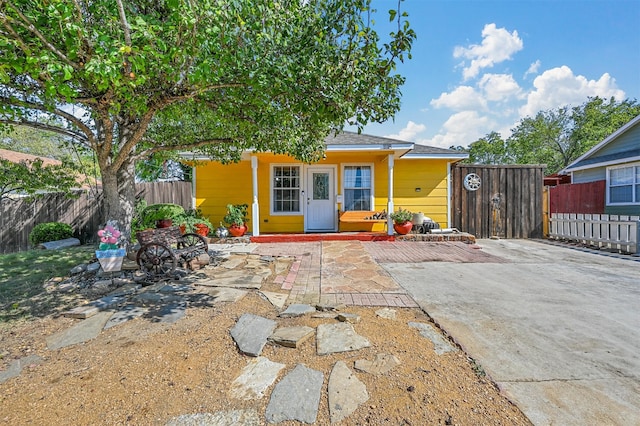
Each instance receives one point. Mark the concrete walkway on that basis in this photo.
(557, 328)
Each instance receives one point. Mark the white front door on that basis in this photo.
(320, 209)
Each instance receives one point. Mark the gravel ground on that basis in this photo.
(146, 373)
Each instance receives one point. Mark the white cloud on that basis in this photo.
(533, 68)
(499, 87)
(462, 98)
(558, 87)
(498, 45)
(461, 129)
(409, 132)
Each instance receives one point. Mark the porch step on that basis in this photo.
(305, 238)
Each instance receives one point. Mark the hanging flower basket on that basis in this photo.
(111, 260)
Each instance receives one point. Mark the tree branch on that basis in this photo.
(31, 28)
(127, 31)
(86, 130)
(45, 126)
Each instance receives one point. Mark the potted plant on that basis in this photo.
(402, 221)
(109, 254)
(236, 218)
(193, 221)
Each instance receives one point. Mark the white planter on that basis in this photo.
(111, 260)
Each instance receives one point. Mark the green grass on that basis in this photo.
(22, 275)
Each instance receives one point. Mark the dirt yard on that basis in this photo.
(146, 373)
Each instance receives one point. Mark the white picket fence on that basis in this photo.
(600, 230)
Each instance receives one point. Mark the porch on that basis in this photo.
(347, 236)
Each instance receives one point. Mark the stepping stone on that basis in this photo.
(325, 315)
(251, 333)
(291, 337)
(16, 367)
(174, 288)
(233, 262)
(346, 392)
(81, 332)
(154, 298)
(256, 377)
(441, 345)
(82, 312)
(168, 313)
(243, 248)
(386, 313)
(221, 418)
(296, 396)
(340, 337)
(351, 318)
(297, 310)
(382, 364)
(225, 294)
(107, 302)
(276, 299)
(125, 314)
(234, 279)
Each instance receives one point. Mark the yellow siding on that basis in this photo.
(218, 185)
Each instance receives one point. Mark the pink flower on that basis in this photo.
(109, 235)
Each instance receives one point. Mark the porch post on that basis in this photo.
(449, 196)
(390, 194)
(255, 208)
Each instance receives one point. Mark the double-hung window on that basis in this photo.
(358, 190)
(623, 185)
(285, 188)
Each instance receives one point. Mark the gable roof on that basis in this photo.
(346, 141)
(352, 141)
(588, 160)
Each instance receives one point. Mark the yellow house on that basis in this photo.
(360, 173)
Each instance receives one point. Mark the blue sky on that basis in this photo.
(481, 66)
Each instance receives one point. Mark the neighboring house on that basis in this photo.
(20, 157)
(614, 164)
(359, 173)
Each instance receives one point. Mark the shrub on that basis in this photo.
(50, 231)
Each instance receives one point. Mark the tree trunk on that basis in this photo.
(119, 194)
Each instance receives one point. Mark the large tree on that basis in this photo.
(137, 78)
(554, 137)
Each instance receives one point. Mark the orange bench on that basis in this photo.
(360, 216)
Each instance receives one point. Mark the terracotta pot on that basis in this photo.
(164, 223)
(201, 229)
(237, 231)
(183, 228)
(403, 229)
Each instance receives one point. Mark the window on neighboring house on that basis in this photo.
(357, 188)
(623, 185)
(286, 189)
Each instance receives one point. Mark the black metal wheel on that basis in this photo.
(157, 260)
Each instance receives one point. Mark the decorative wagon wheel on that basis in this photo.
(472, 182)
(156, 260)
(192, 245)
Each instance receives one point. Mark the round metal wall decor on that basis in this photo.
(472, 182)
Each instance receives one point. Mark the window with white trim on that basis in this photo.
(358, 189)
(623, 185)
(285, 189)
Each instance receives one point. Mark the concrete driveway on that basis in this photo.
(557, 328)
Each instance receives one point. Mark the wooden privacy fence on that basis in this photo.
(507, 204)
(599, 230)
(18, 217)
(578, 197)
